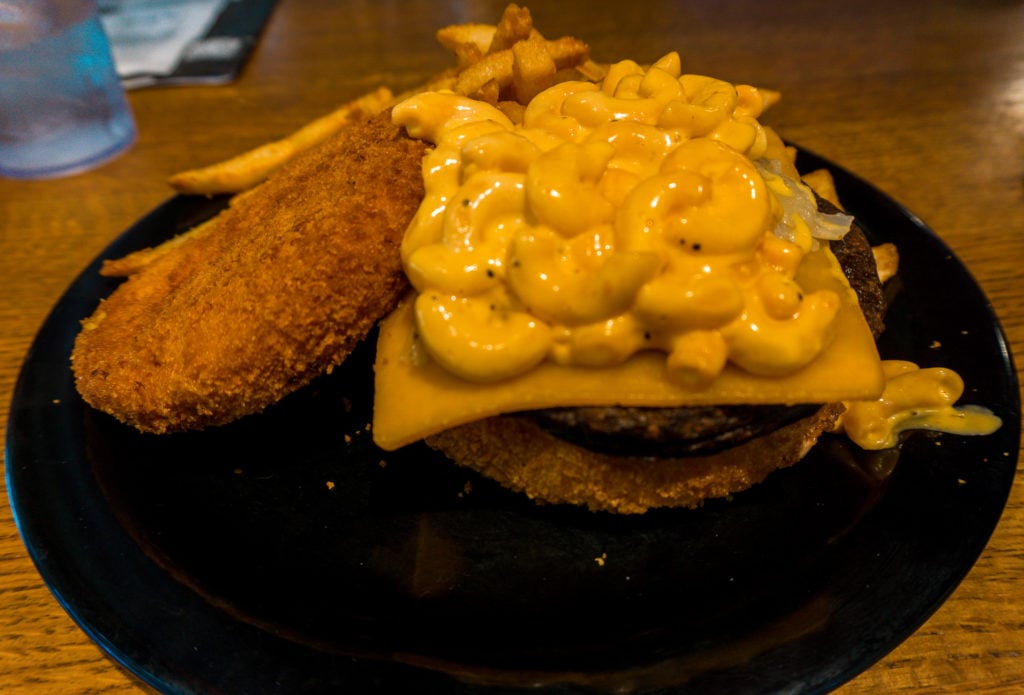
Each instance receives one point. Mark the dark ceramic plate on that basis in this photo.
(284, 553)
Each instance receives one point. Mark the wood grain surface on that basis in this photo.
(923, 99)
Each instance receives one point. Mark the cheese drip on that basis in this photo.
(914, 399)
(648, 212)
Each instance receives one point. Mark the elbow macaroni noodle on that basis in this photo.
(651, 211)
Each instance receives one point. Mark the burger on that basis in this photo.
(624, 296)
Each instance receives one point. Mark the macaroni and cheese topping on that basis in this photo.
(642, 213)
(914, 399)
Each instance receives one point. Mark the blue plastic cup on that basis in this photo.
(62, 107)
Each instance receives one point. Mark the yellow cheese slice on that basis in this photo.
(415, 397)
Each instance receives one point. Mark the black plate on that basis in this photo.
(284, 553)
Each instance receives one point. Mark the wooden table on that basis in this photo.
(924, 99)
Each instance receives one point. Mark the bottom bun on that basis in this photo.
(522, 457)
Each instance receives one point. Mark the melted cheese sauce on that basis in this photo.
(914, 399)
(650, 212)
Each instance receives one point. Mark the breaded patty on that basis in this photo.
(521, 456)
(273, 292)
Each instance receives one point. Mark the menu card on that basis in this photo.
(160, 42)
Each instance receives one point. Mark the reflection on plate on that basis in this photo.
(285, 552)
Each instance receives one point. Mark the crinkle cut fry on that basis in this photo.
(288, 280)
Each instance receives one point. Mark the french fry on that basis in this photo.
(533, 68)
(466, 54)
(565, 52)
(489, 92)
(887, 261)
(568, 52)
(771, 97)
(515, 25)
(822, 183)
(493, 66)
(137, 260)
(249, 168)
(461, 36)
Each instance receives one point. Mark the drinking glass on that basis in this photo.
(62, 106)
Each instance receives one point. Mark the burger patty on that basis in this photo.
(858, 262)
(704, 430)
(666, 432)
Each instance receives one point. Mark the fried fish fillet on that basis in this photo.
(274, 291)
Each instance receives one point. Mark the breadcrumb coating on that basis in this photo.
(521, 456)
(276, 290)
